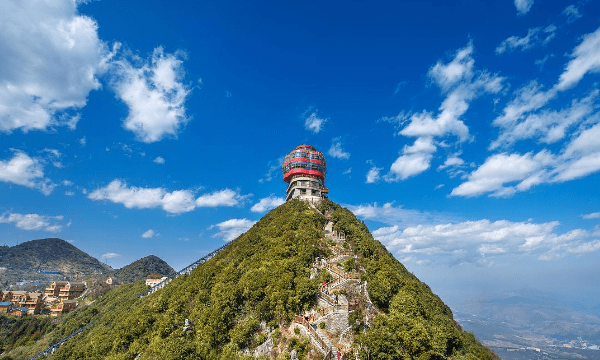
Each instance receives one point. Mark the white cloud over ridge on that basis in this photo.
(175, 202)
(267, 203)
(155, 94)
(51, 60)
(480, 241)
(33, 222)
(423, 237)
(232, 228)
(25, 171)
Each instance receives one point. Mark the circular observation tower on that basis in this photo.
(304, 170)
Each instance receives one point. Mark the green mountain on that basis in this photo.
(140, 269)
(50, 254)
(264, 295)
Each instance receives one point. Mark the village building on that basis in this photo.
(20, 311)
(71, 290)
(5, 307)
(33, 303)
(63, 307)
(64, 290)
(53, 290)
(18, 296)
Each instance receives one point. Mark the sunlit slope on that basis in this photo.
(257, 285)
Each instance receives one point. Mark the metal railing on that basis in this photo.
(52, 348)
(188, 269)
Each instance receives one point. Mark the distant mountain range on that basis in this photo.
(26, 260)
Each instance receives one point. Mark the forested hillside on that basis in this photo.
(251, 291)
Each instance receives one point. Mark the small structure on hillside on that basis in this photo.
(153, 282)
(304, 170)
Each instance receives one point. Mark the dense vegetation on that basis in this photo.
(262, 276)
(21, 332)
(141, 268)
(262, 279)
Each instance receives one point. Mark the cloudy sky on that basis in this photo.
(465, 133)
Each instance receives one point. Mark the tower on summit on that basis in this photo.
(304, 170)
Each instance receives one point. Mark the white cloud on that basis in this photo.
(232, 228)
(155, 95)
(226, 197)
(267, 203)
(149, 234)
(572, 13)
(535, 36)
(314, 123)
(51, 58)
(273, 165)
(159, 160)
(373, 175)
(505, 174)
(82, 141)
(54, 156)
(594, 215)
(522, 171)
(459, 69)
(585, 59)
(409, 165)
(547, 126)
(33, 221)
(175, 202)
(178, 202)
(130, 197)
(395, 215)
(110, 255)
(25, 171)
(482, 240)
(452, 162)
(523, 6)
(336, 150)
(461, 84)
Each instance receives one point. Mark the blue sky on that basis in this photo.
(465, 133)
